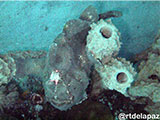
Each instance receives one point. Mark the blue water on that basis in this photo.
(34, 25)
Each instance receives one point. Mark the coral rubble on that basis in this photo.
(94, 110)
(147, 84)
(7, 69)
(8, 96)
(153, 108)
(29, 62)
(156, 44)
(29, 69)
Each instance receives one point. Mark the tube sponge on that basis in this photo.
(117, 75)
(102, 40)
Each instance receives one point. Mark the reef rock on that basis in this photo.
(30, 63)
(156, 44)
(7, 69)
(8, 96)
(148, 80)
(153, 108)
(147, 84)
(118, 74)
(89, 110)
